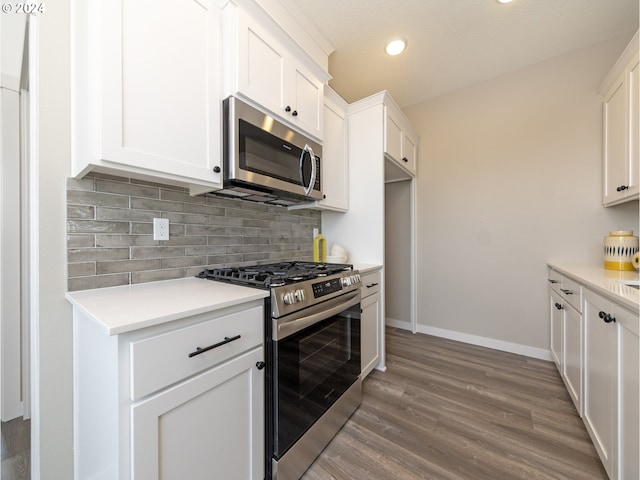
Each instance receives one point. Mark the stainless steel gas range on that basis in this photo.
(312, 329)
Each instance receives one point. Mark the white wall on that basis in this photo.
(52, 408)
(397, 251)
(509, 177)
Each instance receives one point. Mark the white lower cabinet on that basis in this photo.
(184, 399)
(611, 397)
(566, 333)
(572, 367)
(210, 426)
(371, 324)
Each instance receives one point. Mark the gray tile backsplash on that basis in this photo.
(110, 232)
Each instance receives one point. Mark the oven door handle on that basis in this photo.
(325, 310)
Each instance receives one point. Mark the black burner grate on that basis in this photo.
(274, 274)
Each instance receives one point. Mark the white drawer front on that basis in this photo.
(370, 283)
(572, 293)
(555, 280)
(164, 359)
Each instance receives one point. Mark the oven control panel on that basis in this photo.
(328, 287)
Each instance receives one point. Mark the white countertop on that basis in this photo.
(130, 307)
(607, 283)
(365, 267)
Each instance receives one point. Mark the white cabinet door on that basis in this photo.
(614, 142)
(633, 173)
(370, 332)
(210, 426)
(261, 65)
(621, 93)
(556, 310)
(572, 368)
(400, 144)
(306, 100)
(393, 135)
(600, 372)
(335, 161)
(409, 151)
(629, 395)
(269, 74)
(147, 96)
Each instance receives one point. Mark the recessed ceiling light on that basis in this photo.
(504, 1)
(395, 47)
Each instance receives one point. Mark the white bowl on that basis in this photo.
(336, 258)
(337, 250)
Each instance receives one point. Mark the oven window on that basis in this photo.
(314, 368)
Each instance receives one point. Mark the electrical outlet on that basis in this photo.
(161, 229)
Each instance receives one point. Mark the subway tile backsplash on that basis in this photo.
(110, 232)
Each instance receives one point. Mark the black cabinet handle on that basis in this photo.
(622, 188)
(287, 108)
(216, 169)
(405, 159)
(558, 306)
(215, 345)
(294, 113)
(551, 280)
(371, 285)
(260, 365)
(606, 317)
(566, 292)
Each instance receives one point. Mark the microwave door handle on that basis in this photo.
(312, 180)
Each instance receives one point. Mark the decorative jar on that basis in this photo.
(619, 248)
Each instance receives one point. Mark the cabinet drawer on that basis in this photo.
(555, 280)
(162, 360)
(370, 283)
(572, 293)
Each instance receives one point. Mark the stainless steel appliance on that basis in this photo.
(312, 344)
(266, 161)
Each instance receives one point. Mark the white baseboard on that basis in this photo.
(503, 346)
(398, 324)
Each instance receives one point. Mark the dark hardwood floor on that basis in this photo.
(449, 410)
(16, 449)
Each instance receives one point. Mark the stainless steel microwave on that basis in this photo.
(266, 161)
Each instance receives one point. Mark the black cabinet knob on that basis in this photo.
(622, 188)
(405, 159)
(216, 169)
(294, 113)
(558, 306)
(287, 108)
(606, 317)
(260, 365)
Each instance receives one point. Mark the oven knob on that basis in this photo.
(299, 295)
(288, 298)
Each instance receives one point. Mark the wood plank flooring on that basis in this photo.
(449, 410)
(16, 449)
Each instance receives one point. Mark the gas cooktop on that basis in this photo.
(274, 274)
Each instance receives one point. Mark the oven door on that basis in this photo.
(316, 358)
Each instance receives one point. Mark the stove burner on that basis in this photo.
(274, 274)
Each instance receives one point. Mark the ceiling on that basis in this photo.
(454, 43)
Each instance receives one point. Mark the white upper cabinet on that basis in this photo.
(621, 158)
(146, 90)
(400, 141)
(264, 65)
(335, 158)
